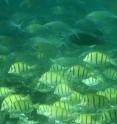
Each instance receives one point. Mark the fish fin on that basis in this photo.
(92, 46)
(114, 61)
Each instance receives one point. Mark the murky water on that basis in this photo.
(58, 62)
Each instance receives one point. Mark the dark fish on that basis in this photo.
(84, 38)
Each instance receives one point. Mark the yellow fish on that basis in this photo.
(54, 113)
(63, 105)
(63, 90)
(97, 58)
(110, 74)
(5, 91)
(74, 98)
(92, 102)
(110, 94)
(109, 116)
(16, 104)
(57, 67)
(19, 67)
(87, 118)
(49, 80)
(78, 72)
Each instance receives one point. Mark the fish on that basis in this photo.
(87, 118)
(98, 58)
(42, 109)
(52, 78)
(87, 33)
(109, 116)
(93, 84)
(33, 28)
(63, 105)
(73, 99)
(78, 72)
(5, 91)
(17, 104)
(110, 73)
(59, 114)
(79, 86)
(44, 88)
(110, 94)
(41, 46)
(57, 67)
(15, 97)
(56, 26)
(93, 103)
(85, 39)
(49, 80)
(102, 16)
(54, 113)
(92, 81)
(105, 21)
(19, 67)
(65, 61)
(63, 90)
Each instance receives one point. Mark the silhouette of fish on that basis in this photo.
(84, 38)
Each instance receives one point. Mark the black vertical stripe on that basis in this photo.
(96, 58)
(106, 62)
(13, 68)
(51, 73)
(83, 76)
(91, 57)
(19, 67)
(102, 57)
(78, 73)
(56, 79)
(17, 101)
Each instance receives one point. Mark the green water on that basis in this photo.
(58, 62)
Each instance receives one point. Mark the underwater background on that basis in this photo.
(58, 61)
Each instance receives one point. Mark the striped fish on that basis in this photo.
(110, 74)
(57, 67)
(110, 94)
(87, 118)
(92, 102)
(43, 109)
(97, 58)
(5, 91)
(92, 81)
(109, 116)
(53, 112)
(44, 88)
(51, 79)
(62, 90)
(63, 105)
(19, 67)
(73, 99)
(16, 104)
(59, 114)
(78, 72)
